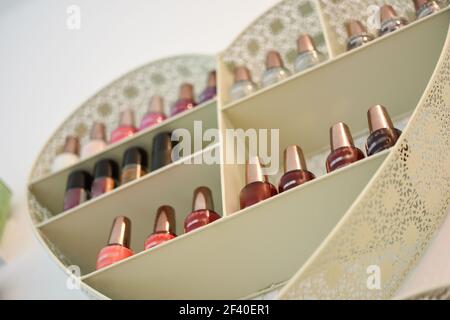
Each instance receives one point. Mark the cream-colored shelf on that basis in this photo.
(82, 232)
(49, 191)
(244, 253)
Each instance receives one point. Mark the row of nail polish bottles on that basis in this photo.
(81, 186)
(307, 57)
(389, 22)
(126, 127)
(383, 135)
(164, 229)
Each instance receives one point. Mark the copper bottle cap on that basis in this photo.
(387, 12)
(120, 232)
(98, 131)
(202, 199)
(273, 60)
(72, 145)
(156, 104)
(419, 3)
(294, 159)
(305, 43)
(165, 220)
(379, 118)
(186, 91)
(355, 28)
(127, 118)
(253, 171)
(242, 73)
(211, 83)
(340, 136)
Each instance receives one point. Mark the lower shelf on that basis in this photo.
(244, 253)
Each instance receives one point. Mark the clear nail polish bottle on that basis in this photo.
(390, 22)
(425, 8)
(275, 70)
(308, 56)
(357, 35)
(243, 84)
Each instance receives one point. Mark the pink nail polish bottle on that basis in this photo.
(185, 101)
(126, 127)
(155, 113)
(164, 229)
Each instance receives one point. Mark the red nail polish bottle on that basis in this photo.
(164, 229)
(343, 150)
(106, 176)
(383, 135)
(186, 99)
(118, 245)
(126, 127)
(295, 171)
(211, 88)
(155, 113)
(202, 210)
(258, 187)
(77, 190)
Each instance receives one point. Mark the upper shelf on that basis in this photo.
(391, 71)
(49, 191)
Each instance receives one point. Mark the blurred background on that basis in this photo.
(47, 70)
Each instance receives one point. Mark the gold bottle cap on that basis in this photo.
(242, 73)
(253, 171)
(211, 83)
(186, 91)
(165, 220)
(98, 131)
(202, 199)
(305, 43)
(419, 3)
(273, 60)
(72, 145)
(355, 28)
(294, 159)
(156, 104)
(379, 118)
(340, 136)
(127, 118)
(387, 12)
(120, 232)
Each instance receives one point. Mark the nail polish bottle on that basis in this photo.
(202, 210)
(390, 22)
(106, 177)
(258, 187)
(134, 165)
(118, 247)
(185, 99)
(77, 189)
(155, 114)
(357, 35)
(425, 8)
(126, 126)
(162, 150)
(69, 156)
(383, 134)
(275, 70)
(343, 150)
(210, 90)
(308, 56)
(164, 229)
(243, 84)
(295, 170)
(97, 141)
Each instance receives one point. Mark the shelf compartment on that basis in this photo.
(342, 89)
(244, 253)
(49, 191)
(80, 233)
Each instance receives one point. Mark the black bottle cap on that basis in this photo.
(135, 155)
(79, 179)
(106, 168)
(162, 150)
